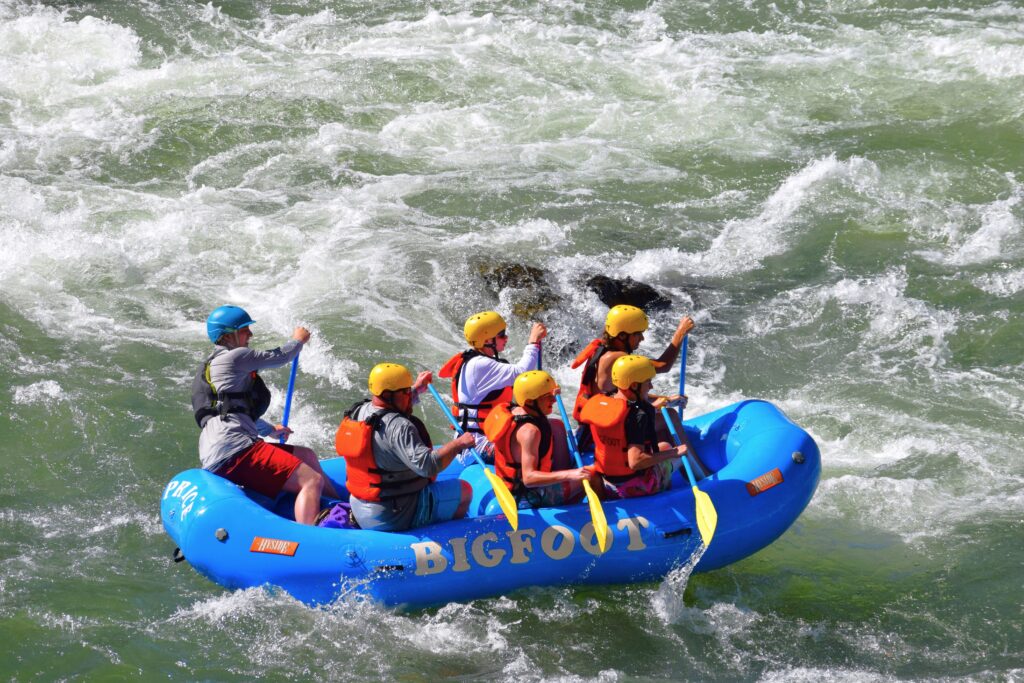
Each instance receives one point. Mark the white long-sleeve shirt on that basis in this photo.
(482, 375)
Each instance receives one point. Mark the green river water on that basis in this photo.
(830, 187)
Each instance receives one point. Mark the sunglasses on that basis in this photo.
(502, 335)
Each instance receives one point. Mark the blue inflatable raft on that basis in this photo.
(765, 470)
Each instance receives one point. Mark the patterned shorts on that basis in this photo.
(644, 483)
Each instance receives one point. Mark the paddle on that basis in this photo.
(682, 371)
(501, 492)
(596, 511)
(707, 516)
(288, 398)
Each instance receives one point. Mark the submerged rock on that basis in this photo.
(614, 292)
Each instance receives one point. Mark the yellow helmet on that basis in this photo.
(483, 326)
(531, 385)
(623, 318)
(630, 370)
(389, 377)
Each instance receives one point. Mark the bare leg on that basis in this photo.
(307, 456)
(307, 484)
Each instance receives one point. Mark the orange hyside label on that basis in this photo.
(765, 482)
(275, 546)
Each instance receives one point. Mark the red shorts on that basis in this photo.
(263, 467)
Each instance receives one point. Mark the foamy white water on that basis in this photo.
(831, 189)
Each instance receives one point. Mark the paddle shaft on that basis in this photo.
(444, 409)
(573, 447)
(288, 398)
(679, 442)
(682, 371)
(597, 516)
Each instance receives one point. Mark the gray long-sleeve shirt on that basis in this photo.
(397, 447)
(222, 438)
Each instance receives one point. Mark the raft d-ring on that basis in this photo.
(798, 457)
(177, 555)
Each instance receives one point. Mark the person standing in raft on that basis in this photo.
(627, 452)
(481, 379)
(624, 328)
(228, 401)
(390, 461)
(531, 454)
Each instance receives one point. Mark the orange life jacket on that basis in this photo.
(606, 416)
(500, 427)
(364, 480)
(591, 355)
(472, 423)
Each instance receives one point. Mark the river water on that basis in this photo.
(830, 187)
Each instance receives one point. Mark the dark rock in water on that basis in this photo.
(537, 295)
(628, 291)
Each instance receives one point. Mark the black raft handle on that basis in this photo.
(685, 531)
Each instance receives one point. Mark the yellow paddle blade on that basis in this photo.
(505, 499)
(707, 517)
(597, 516)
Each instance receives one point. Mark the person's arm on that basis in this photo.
(404, 442)
(531, 352)
(639, 459)
(668, 357)
(483, 375)
(252, 359)
(528, 443)
(639, 428)
(264, 428)
(446, 453)
(420, 385)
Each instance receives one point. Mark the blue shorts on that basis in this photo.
(438, 502)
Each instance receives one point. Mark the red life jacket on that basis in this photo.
(606, 416)
(472, 423)
(500, 428)
(364, 480)
(591, 355)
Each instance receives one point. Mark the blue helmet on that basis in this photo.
(225, 319)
